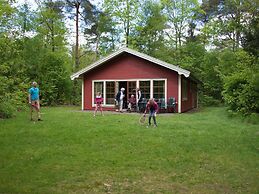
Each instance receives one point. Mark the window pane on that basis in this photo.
(184, 89)
(110, 92)
(145, 89)
(131, 88)
(98, 87)
(159, 89)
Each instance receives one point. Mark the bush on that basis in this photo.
(206, 100)
(241, 93)
(7, 109)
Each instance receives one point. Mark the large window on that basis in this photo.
(98, 87)
(145, 89)
(110, 92)
(159, 89)
(108, 89)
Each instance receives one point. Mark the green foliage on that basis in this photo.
(241, 92)
(7, 109)
(206, 100)
(210, 75)
(125, 14)
(180, 16)
(250, 41)
(12, 81)
(42, 57)
(148, 36)
(54, 79)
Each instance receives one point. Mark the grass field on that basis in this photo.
(73, 152)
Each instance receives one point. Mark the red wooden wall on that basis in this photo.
(191, 101)
(127, 66)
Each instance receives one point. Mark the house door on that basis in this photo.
(123, 84)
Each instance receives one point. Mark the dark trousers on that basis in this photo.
(152, 115)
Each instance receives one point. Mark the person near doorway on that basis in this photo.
(138, 97)
(119, 98)
(131, 103)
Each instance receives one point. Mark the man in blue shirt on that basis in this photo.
(34, 99)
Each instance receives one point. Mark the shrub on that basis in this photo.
(7, 109)
(206, 100)
(241, 92)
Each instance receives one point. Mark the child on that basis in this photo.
(132, 102)
(152, 107)
(98, 101)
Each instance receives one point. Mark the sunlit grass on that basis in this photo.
(73, 152)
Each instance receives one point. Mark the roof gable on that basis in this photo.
(179, 70)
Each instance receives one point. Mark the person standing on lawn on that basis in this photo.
(98, 101)
(152, 107)
(34, 99)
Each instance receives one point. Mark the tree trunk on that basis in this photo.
(77, 37)
(97, 47)
(52, 36)
(127, 27)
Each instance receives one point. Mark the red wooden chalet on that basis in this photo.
(130, 69)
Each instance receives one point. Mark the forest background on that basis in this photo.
(217, 40)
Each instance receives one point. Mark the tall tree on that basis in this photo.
(149, 34)
(99, 30)
(51, 24)
(76, 9)
(180, 15)
(12, 69)
(125, 13)
(229, 19)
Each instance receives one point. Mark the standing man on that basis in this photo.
(138, 97)
(119, 97)
(34, 99)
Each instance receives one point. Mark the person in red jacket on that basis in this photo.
(152, 107)
(98, 101)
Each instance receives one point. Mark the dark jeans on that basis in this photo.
(152, 115)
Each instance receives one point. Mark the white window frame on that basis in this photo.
(119, 80)
(185, 90)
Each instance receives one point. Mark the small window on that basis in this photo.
(184, 89)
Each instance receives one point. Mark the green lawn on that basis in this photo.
(73, 152)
